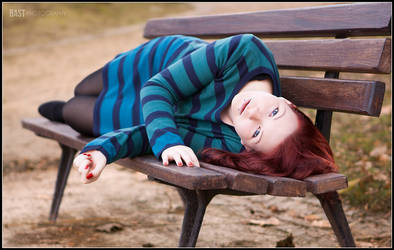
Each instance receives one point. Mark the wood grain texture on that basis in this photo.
(193, 178)
(343, 19)
(324, 183)
(350, 96)
(386, 57)
(240, 181)
(260, 184)
(60, 132)
(342, 55)
(283, 186)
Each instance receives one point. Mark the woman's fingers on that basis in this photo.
(178, 160)
(187, 158)
(194, 159)
(165, 159)
(90, 165)
(180, 154)
(84, 169)
(99, 163)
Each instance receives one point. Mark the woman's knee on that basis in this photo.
(78, 113)
(90, 85)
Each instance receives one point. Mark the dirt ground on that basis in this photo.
(143, 213)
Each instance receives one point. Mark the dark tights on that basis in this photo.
(78, 111)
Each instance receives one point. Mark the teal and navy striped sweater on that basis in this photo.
(171, 90)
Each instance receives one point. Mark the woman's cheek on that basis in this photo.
(243, 134)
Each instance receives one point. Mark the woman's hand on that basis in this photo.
(90, 165)
(179, 153)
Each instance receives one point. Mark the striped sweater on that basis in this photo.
(171, 90)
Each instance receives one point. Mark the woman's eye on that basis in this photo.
(275, 112)
(257, 132)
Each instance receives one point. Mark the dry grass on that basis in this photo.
(45, 22)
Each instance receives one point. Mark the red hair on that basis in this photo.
(306, 152)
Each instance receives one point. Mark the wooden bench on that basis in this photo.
(334, 53)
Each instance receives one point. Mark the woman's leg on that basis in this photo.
(78, 113)
(91, 85)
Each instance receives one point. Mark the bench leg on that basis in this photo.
(332, 206)
(61, 181)
(195, 202)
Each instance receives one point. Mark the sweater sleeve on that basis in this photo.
(121, 143)
(183, 79)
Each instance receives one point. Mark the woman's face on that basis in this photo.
(262, 120)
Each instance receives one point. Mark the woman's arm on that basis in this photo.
(121, 143)
(103, 150)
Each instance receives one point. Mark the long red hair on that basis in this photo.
(306, 152)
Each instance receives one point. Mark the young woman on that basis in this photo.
(178, 97)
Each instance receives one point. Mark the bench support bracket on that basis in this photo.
(195, 202)
(332, 206)
(61, 181)
(324, 117)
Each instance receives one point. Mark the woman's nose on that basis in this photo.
(254, 114)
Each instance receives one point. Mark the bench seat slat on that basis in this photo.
(325, 183)
(240, 181)
(349, 19)
(190, 178)
(260, 184)
(60, 132)
(351, 96)
(280, 186)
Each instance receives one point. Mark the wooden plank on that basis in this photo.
(350, 96)
(194, 178)
(341, 55)
(325, 183)
(386, 63)
(60, 132)
(282, 186)
(191, 178)
(343, 19)
(260, 184)
(240, 181)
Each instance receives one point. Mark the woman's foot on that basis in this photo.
(52, 110)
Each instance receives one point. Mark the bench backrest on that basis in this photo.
(333, 39)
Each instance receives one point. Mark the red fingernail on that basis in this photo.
(87, 166)
(190, 164)
(90, 175)
(179, 164)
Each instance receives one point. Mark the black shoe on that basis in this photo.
(52, 110)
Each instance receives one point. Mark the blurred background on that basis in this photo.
(48, 48)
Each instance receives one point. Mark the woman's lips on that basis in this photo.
(243, 107)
